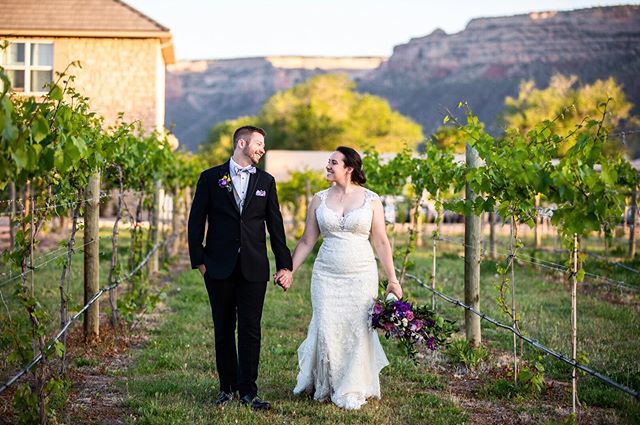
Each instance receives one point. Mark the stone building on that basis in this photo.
(123, 54)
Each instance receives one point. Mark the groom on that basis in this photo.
(236, 200)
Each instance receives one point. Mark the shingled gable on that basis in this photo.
(81, 18)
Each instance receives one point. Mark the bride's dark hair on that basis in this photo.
(352, 159)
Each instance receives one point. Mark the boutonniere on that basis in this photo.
(225, 182)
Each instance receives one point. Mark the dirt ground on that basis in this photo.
(552, 406)
(95, 395)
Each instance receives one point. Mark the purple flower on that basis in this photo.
(431, 343)
(225, 182)
(418, 324)
(408, 324)
(402, 306)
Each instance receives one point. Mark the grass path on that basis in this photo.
(174, 379)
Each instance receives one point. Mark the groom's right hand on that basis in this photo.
(203, 269)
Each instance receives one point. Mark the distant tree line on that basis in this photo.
(326, 111)
(319, 114)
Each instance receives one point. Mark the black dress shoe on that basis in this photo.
(224, 398)
(255, 403)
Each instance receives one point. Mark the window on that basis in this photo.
(29, 65)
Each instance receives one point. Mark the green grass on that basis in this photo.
(608, 324)
(13, 316)
(174, 379)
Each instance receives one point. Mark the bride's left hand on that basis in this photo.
(395, 288)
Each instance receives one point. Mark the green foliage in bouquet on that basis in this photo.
(411, 324)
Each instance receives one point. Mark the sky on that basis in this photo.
(220, 29)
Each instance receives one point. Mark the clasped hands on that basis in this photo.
(283, 278)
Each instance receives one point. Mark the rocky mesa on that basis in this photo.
(423, 78)
(202, 93)
(489, 59)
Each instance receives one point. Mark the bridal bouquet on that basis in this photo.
(410, 324)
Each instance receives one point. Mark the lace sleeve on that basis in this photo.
(322, 194)
(371, 195)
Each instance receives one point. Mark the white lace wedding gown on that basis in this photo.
(341, 357)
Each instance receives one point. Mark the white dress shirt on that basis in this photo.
(239, 183)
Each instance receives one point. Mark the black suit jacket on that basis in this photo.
(228, 230)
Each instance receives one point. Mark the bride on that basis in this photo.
(341, 357)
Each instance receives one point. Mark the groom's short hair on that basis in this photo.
(245, 132)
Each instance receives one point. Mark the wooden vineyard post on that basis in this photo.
(92, 258)
(574, 325)
(472, 226)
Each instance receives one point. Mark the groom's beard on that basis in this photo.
(253, 156)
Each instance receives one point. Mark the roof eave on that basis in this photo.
(168, 53)
(165, 37)
(83, 33)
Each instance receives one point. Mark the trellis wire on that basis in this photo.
(556, 266)
(590, 254)
(531, 341)
(73, 202)
(62, 204)
(93, 299)
(39, 266)
(19, 201)
(616, 263)
(624, 132)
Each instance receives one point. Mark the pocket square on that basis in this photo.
(261, 193)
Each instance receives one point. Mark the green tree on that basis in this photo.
(296, 193)
(449, 137)
(320, 114)
(571, 103)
